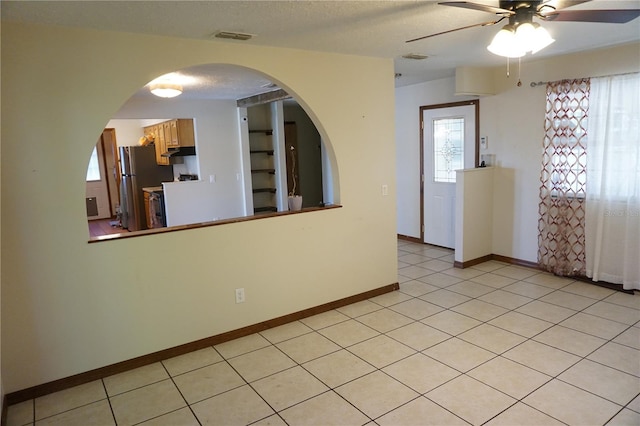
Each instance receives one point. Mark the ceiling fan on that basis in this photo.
(521, 13)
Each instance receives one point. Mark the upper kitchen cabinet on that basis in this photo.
(180, 133)
(170, 135)
(157, 131)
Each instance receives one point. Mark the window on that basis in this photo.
(614, 136)
(564, 156)
(448, 148)
(93, 170)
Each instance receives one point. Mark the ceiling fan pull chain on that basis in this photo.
(519, 81)
(508, 75)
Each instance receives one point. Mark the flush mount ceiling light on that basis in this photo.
(515, 41)
(165, 90)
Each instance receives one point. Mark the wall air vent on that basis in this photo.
(233, 36)
(415, 56)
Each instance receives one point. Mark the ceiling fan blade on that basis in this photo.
(476, 6)
(559, 4)
(613, 16)
(484, 24)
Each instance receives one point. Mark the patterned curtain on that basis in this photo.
(561, 241)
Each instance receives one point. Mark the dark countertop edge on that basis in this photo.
(134, 234)
(152, 189)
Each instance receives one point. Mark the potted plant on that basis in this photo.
(295, 200)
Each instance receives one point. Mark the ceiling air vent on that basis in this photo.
(233, 36)
(415, 56)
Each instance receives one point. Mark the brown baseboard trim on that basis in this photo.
(496, 257)
(5, 411)
(120, 367)
(534, 265)
(518, 262)
(408, 238)
(472, 262)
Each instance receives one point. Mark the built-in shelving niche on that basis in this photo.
(263, 170)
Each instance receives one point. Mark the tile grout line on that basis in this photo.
(113, 414)
(247, 383)
(329, 388)
(181, 394)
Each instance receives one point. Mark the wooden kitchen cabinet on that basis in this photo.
(158, 132)
(180, 133)
(171, 134)
(168, 130)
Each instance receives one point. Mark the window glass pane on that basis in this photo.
(93, 171)
(448, 148)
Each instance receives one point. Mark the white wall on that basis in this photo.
(513, 120)
(66, 310)
(129, 132)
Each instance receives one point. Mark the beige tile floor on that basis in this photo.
(492, 344)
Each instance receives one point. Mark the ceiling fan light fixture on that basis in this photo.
(505, 44)
(166, 90)
(542, 39)
(525, 35)
(515, 42)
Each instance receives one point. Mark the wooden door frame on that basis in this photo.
(113, 182)
(476, 105)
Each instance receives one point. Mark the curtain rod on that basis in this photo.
(541, 83)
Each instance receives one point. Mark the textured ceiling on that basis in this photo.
(371, 28)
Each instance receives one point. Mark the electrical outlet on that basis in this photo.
(240, 295)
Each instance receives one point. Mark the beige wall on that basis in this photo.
(69, 306)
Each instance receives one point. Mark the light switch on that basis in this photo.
(385, 190)
(484, 142)
(212, 178)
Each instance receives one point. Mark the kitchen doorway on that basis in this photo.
(448, 142)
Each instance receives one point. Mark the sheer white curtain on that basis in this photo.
(612, 222)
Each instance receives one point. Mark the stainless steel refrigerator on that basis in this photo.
(139, 170)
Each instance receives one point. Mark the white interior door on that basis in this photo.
(449, 144)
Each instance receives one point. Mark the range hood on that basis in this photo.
(183, 151)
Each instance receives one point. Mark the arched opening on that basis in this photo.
(234, 144)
